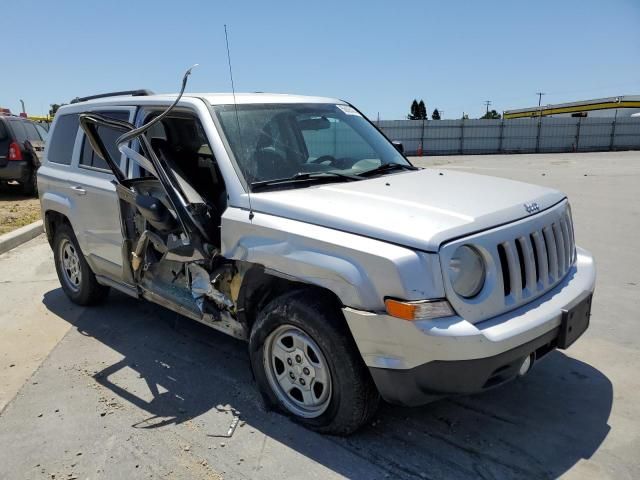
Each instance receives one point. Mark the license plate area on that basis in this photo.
(575, 320)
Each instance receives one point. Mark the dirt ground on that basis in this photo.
(16, 209)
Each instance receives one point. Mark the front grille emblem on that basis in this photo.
(532, 207)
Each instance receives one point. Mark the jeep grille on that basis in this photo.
(533, 263)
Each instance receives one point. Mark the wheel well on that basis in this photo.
(260, 287)
(52, 220)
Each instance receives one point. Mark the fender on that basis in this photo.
(360, 271)
(55, 202)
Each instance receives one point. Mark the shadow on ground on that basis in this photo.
(13, 192)
(536, 427)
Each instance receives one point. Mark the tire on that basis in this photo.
(30, 186)
(75, 275)
(340, 398)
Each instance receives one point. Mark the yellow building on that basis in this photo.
(624, 106)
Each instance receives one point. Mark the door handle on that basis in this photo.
(78, 190)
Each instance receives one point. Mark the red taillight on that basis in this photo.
(14, 152)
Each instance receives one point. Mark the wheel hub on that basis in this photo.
(70, 265)
(300, 369)
(297, 371)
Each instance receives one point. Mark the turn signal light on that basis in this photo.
(418, 310)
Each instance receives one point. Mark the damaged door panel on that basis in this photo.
(170, 253)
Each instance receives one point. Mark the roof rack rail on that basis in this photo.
(133, 93)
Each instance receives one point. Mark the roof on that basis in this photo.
(212, 98)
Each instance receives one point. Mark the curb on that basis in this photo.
(19, 236)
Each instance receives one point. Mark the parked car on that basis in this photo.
(21, 149)
(293, 223)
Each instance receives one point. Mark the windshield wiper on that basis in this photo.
(386, 168)
(305, 177)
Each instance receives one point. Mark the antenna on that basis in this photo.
(128, 136)
(235, 106)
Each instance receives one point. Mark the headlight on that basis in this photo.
(467, 271)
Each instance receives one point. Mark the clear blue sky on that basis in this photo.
(377, 54)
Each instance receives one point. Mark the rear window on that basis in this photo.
(64, 136)
(108, 136)
(32, 131)
(18, 131)
(24, 130)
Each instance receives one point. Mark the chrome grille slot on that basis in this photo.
(536, 256)
(529, 264)
(562, 258)
(513, 267)
(552, 252)
(532, 263)
(543, 258)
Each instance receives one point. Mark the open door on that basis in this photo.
(169, 254)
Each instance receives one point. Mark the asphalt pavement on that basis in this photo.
(130, 390)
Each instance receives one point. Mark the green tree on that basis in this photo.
(435, 115)
(54, 108)
(422, 111)
(491, 115)
(414, 110)
(418, 111)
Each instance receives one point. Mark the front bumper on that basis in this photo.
(17, 170)
(415, 362)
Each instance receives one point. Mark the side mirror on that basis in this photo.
(399, 146)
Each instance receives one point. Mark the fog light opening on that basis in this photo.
(526, 366)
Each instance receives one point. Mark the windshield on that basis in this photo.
(277, 141)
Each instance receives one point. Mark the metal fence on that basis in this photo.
(525, 135)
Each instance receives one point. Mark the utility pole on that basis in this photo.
(540, 120)
(540, 94)
(487, 103)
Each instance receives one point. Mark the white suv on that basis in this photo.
(293, 223)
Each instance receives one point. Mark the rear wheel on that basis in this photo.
(308, 366)
(75, 275)
(30, 186)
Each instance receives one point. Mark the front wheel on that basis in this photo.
(307, 364)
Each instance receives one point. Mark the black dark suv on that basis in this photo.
(21, 147)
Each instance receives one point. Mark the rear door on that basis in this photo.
(97, 202)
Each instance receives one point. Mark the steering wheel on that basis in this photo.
(324, 158)
(270, 165)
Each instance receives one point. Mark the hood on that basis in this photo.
(418, 209)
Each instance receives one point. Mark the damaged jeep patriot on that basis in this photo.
(293, 223)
